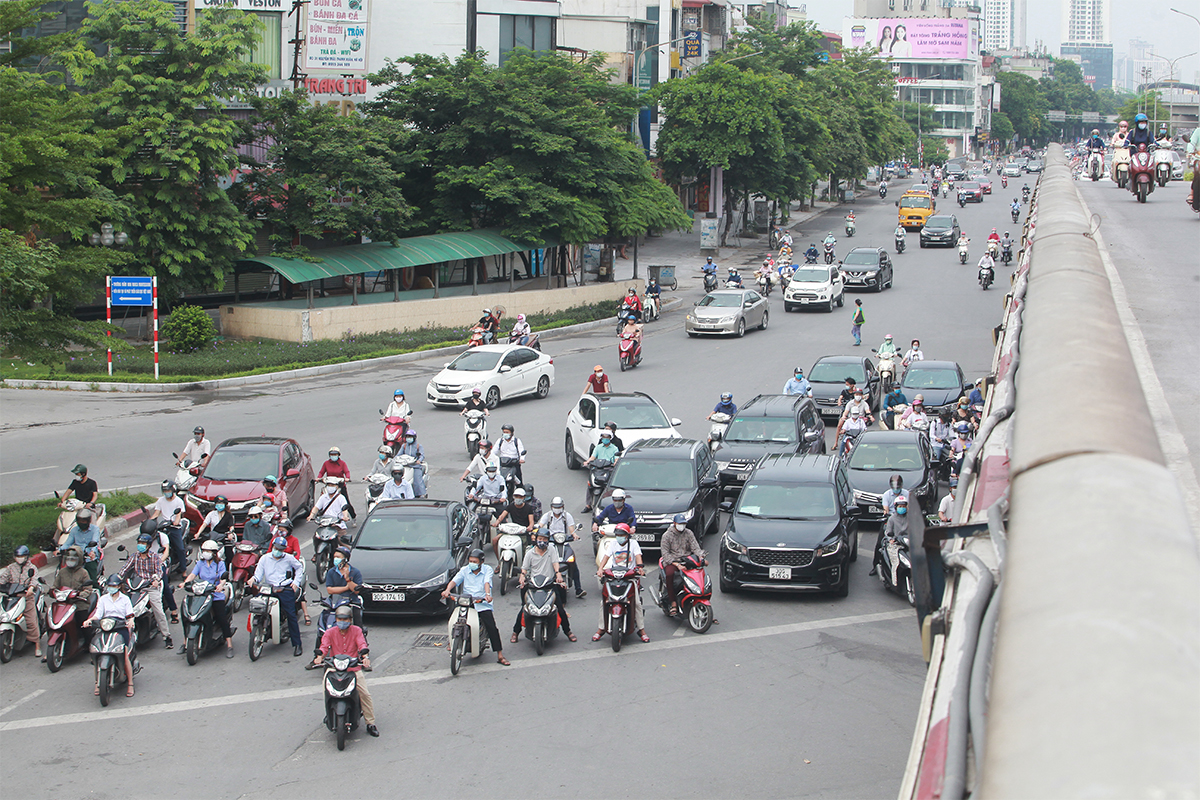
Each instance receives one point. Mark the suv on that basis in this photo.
(971, 190)
(940, 230)
(815, 285)
(665, 477)
(637, 417)
(828, 379)
(867, 268)
(794, 527)
(769, 423)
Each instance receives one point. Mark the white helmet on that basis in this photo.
(557, 503)
(255, 510)
(618, 494)
(209, 546)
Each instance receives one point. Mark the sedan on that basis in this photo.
(867, 268)
(940, 229)
(727, 311)
(1011, 171)
(940, 383)
(877, 456)
(828, 379)
(500, 371)
(1036, 165)
(236, 470)
(971, 191)
(408, 551)
(985, 184)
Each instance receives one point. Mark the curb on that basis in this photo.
(114, 526)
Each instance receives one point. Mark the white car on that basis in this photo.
(500, 371)
(636, 415)
(815, 285)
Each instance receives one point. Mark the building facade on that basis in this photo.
(1087, 39)
(1004, 24)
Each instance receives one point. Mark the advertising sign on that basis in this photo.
(340, 11)
(244, 5)
(132, 291)
(691, 44)
(913, 37)
(336, 36)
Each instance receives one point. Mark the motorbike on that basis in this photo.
(849, 436)
(1162, 165)
(1005, 253)
(187, 475)
(986, 276)
(485, 510)
(993, 248)
(394, 429)
(342, 705)
(108, 655)
(945, 190)
(475, 430)
(716, 432)
(629, 351)
(617, 589)
(266, 620)
(14, 605)
(375, 483)
(246, 556)
(599, 471)
(1141, 174)
(66, 637)
(478, 336)
(1016, 214)
(962, 200)
(829, 254)
(540, 616)
(327, 618)
(1025, 194)
(66, 518)
(887, 370)
(326, 540)
(651, 305)
(560, 543)
(710, 280)
(693, 593)
(466, 634)
(1095, 165)
(882, 191)
(850, 227)
(900, 242)
(963, 253)
(810, 257)
(531, 340)
(1003, 181)
(1120, 166)
(607, 531)
(145, 626)
(894, 567)
(513, 542)
(201, 631)
(625, 314)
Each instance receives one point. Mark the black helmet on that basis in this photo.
(476, 553)
(344, 551)
(485, 443)
(343, 612)
(612, 426)
(897, 481)
(114, 580)
(198, 430)
(168, 486)
(285, 523)
(149, 528)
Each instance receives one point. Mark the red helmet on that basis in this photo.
(623, 528)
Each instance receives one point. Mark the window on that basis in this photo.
(268, 45)
(532, 33)
(587, 410)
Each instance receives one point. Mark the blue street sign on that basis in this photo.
(132, 291)
(691, 44)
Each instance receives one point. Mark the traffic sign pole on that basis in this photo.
(108, 314)
(154, 284)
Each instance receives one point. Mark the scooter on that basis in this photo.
(650, 304)
(14, 605)
(1003, 181)
(246, 556)
(560, 543)
(887, 371)
(607, 531)
(693, 593)
(266, 620)
(716, 432)
(342, 705)
(375, 483)
(409, 463)
(200, 629)
(810, 257)
(1162, 165)
(1006, 253)
(617, 589)
(531, 340)
(145, 626)
(485, 510)
(326, 540)
(1025, 193)
(900, 242)
(829, 254)
(882, 191)
(963, 253)
(993, 248)
(764, 285)
(187, 475)
(465, 631)
(1120, 166)
(1016, 214)
(629, 351)
(1095, 165)
(962, 199)
(599, 472)
(540, 615)
(512, 543)
(66, 637)
(330, 603)
(478, 336)
(710, 280)
(108, 654)
(1141, 174)
(850, 227)
(66, 519)
(625, 314)
(394, 429)
(894, 567)
(475, 429)
(986, 276)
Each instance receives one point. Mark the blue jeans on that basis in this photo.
(287, 604)
(419, 480)
(856, 331)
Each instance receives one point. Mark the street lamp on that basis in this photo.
(108, 236)
(637, 118)
(1170, 79)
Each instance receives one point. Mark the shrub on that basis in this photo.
(189, 329)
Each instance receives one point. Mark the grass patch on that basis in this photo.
(32, 523)
(228, 359)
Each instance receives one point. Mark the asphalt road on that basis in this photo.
(789, 696)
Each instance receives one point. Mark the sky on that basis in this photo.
(1172, 35)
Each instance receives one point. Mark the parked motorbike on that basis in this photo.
(693, 593)
(1006, 253)
(986, 276)
(466, 634)
(1141, 174)
(342, 705)
(66, 637)
(599, 471)
(266, 620)
(108, 655)
(540, 616)
(14, 605)
(617, 588)
(829, 252)
(963, 253)
(1162, 165)
(1120, 166)
(716, 432)
(394, 429)
(894, 567)
(201, 630)
(246, 556)
(513, 543)
(629, 351)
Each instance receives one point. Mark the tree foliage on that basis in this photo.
(17, 15)
(1002, 128)
(1022, 101)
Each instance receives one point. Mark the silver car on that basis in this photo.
(727, 311)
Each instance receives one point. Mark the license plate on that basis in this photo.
(875, 509)
(643, 537)
(743, 476)
(779, 573)
(388, 597)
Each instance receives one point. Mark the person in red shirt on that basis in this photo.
(597, 382)
(346, 639)
(278, 496)
(338, 469)
(633, 301)
(284, 529)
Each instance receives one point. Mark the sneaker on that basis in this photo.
(580, 594)
(169, 643)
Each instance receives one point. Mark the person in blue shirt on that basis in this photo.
(725, 406)
(342, 581)
(411, 448)
(84, 534)
(211, 569)
(735, 278)
(976, 396)
(616, 512)
(281, 568)
(798, 384)
(812, 253)
(891, 401)
(476, 581)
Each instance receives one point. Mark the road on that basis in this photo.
(788, 696)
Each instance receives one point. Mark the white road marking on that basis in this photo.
(110, 714)
(31, 469)
(26, 698)
(679, 632)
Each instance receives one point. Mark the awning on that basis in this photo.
(356, 259)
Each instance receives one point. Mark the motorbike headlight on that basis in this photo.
(437, 580)
(733, 545)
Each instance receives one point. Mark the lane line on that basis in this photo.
(31, 469)
(27, 697)
(441, 673)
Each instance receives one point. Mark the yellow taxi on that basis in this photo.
(914, 208)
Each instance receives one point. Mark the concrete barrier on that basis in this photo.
(1096, 675)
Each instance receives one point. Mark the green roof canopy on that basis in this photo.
(356, 259)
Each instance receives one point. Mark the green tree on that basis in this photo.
(323, 174)
(159, 95)
(1148, 103)
(1023, 103)
(17, 15)
(1002, 129)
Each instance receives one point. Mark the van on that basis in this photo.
(915, 208)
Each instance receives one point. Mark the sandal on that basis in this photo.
(174, 617)
(572, 637)
(307, 619)
(97, 692)
(503, 661)
(596, 636)
(515, 637)
(129, 691)
(642, 634)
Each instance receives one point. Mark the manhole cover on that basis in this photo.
(432, 640)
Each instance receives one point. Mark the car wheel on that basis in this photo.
(727, 587)
(741, 328)
(543, 387)
(829, 308)
(573, 461)
(763, 325)
(922, 243)
(493, 397)
(841, 299)
(788, 307)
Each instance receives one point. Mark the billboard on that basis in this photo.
(913, 37)
(336, 36)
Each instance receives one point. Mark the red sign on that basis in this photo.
(336, 85)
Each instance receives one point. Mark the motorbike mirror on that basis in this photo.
(464, 540)
(313, 586)
(120, 548)
(968, 387)
(381, 412)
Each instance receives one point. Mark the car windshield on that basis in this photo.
(835, 372)
(922, 378)
(811, 275)
(243, 463)
(475, 361)
(939, 222)
(915, 202)
(970, 185)
(406, 531)
(761, 429)
(633, 413)
(864, 258)
(787, 501)
(871, 456)
(721, 300)
(646, 473)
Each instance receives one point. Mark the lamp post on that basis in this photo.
(108, 236)
(1171, 79)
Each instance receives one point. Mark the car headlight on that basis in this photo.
(690, 318)
(730, 318)
(437, 580)
(687, 515)
(829, 548)
(734, 546)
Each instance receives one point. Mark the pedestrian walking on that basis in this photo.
(859, 319)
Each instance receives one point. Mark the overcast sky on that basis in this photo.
(1173, 35)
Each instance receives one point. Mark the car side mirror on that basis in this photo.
(854, 511)
(463, 540)
(505, 368)
(726, 506)
(587, 423)
(292, 473)
(968, 387)
(812, 436)
(675, 422)
(708, 482)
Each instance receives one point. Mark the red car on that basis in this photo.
(985, 184)
(237, 468)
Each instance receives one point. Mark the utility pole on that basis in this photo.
(297, 77)
(1170, 79)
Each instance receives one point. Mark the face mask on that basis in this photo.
(507, 436)
(476, 566)
(219, 506)
(72, 564)
(168, 495)
(606, 439)
(277, 553)
(622, 539)
(1141, 126)
(542, 545)
(268, 503)
(113, 589)
(207, 556)
(618, 503)
(558, 512)
(343, 624)
(199, 438)
(519, 501)
(331, 490)
(962, 436)
(254, 520)
(680, 527)
(22, 560)
(902, 510)
(334, 457)
(143, 548)
(858, 398)
(338, 561)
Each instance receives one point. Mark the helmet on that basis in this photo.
(680, 519)
(84, 514)
(619, 494)
(487, 311)
(331, 480)
(520, 317)
(476, 553)
(279, 543)
(21, 550)
(269, 479)
(411, 433)
(398, 393)
(1095, 131)
(335, 450)
(144, 538)
(149, 527)
(901, 500)
(557, 503)
(74, 557)
(631, 290)
(79, 469)
(623, 528)
(798, 371)
(726, 397)
(541, 533)
(168, 486)
(485, 444)
(490, 468)
(710, 258)
(606, 434)
(476, 391)
(506, 427)
(343, 612)
(285, 523)
(889, 336)
(114, 580)
(345, 551)
(920, 398)
(221, 499)
(210, 547)
(255, 511)
(1141, 118)
(383, 448)
(962, 427)
(397, 469)
(519, 492)
(198, 430)
(612, 426)
(1006, 234)
(733, 270)
(897, 481)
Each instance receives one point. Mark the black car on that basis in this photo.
(794, 527)
(867, 268)
(877, 456)
(940, 384)
(971, 190)
(940, 229)
(828, 379)
(1035, 165)
(769, 423)
(408, 550)
(665, 477)
(956, 171)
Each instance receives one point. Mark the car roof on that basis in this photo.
(663, 448)
(840, 359)
(768, 405)
(889, 437)
(795, 467)
(935, 364)
(875, 250)
(240, 440)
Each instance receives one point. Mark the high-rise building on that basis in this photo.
(1004, 25)
(1087, 39)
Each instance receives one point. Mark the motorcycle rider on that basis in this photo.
(85, 535)
(654, 291)
(411, 448)
(114, 603)
(633, 329)
(888, 348)
(987, 263)
(559, 520)
(1193, 148)
(491, 487)
(724, 406)
(940, 434)
(381, 465)
(848, 391)
(211, 569)
(894, 491)
(197, 450)
(281, 568)
(278, 497)
(994, 237)
(812, 253)
(490, 323)
(896, 527)
(798, 384)
(1141, 133)
(256, 531)
(540, 562)
(1095, 144)
(856, 416)
(398, 407)
(170, 507)
(900, 234)
(735, 278)
(338, 468)
(891, 401)
(398, 488)
(959, 446)
(913, 354)
(616, 440)
(946, 506)
(678, 543)
(475, 403)
(345, 638)
(963, 241)
(479, 464)
(976, 396)
(624, 553)
(518, 511)
(476, 581)
(1164, 138)
(342, 579)
(82, 488)
(220, 522)
(1015, 206)
(521, 330)
(617, 512)
(1006, 243)
(284, 529)
(333, 504)
(73, 575)
(605, 450)
(709, 268)
(830, 239)
(20, 573)
(511, 449)
(633, 302)
(915, 417)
